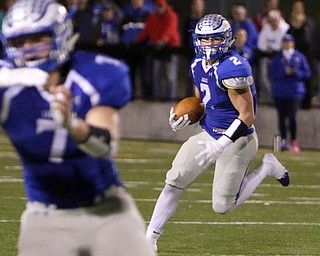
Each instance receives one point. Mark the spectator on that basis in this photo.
(289, 70)
(83, 22)
(261, 17)
(302, 28)
(198, 8)
(239, 20)
(162, 30)
(133, 21)
(109, 26)
(240, 46)
(96, 8)
(316, 55)
(135, 15)
(147, 5)
(98, 5)
(269, 42)
(270, 37)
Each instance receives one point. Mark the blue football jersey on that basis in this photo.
(220, 112)
(55, 170)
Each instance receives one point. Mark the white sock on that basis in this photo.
(165, 207)
(250, 183)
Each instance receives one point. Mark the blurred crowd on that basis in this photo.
(157, 45)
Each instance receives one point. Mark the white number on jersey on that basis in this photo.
(235, 60)
(59, 140)
(205, 88)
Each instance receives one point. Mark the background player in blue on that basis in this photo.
(224, 82)
(60, 110)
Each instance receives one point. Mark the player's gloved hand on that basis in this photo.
(208, 156)
(22, 77)
(181, 123)
(61, 107)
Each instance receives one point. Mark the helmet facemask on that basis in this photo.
(212, 26)
(44, 18)
(33, 55)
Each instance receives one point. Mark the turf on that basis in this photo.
(274, 221)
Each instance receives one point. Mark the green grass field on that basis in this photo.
(274, 221)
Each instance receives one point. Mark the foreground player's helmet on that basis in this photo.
(29, 18)
(212, 25)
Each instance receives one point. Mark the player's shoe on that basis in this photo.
(275, 169)
(284, 145)
(294, 147)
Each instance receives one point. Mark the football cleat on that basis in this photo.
(275, 169)
(285, 179)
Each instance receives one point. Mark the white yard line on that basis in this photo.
(235, 223)
(245, 223)
(265, 202)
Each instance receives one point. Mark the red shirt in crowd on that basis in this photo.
(162, 27)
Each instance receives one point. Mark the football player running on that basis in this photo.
(223, 80)
(59, 108)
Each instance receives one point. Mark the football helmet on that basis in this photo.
(29, 18)
(212, 25)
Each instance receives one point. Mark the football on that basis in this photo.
(192, 106)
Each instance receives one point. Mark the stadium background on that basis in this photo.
(224, 6)
(137, 126)
(134, 125)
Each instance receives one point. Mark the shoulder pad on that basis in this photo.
(238, 82)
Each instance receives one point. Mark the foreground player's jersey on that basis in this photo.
(55, 170)
(220, 112)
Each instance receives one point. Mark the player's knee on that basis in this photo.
(222, 206)
(176, 179)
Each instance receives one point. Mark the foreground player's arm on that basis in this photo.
(22, 77)
(97, 134)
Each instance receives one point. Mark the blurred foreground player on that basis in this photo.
(60, 110)
(223, 80)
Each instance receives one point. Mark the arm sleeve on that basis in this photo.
(303, 71)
